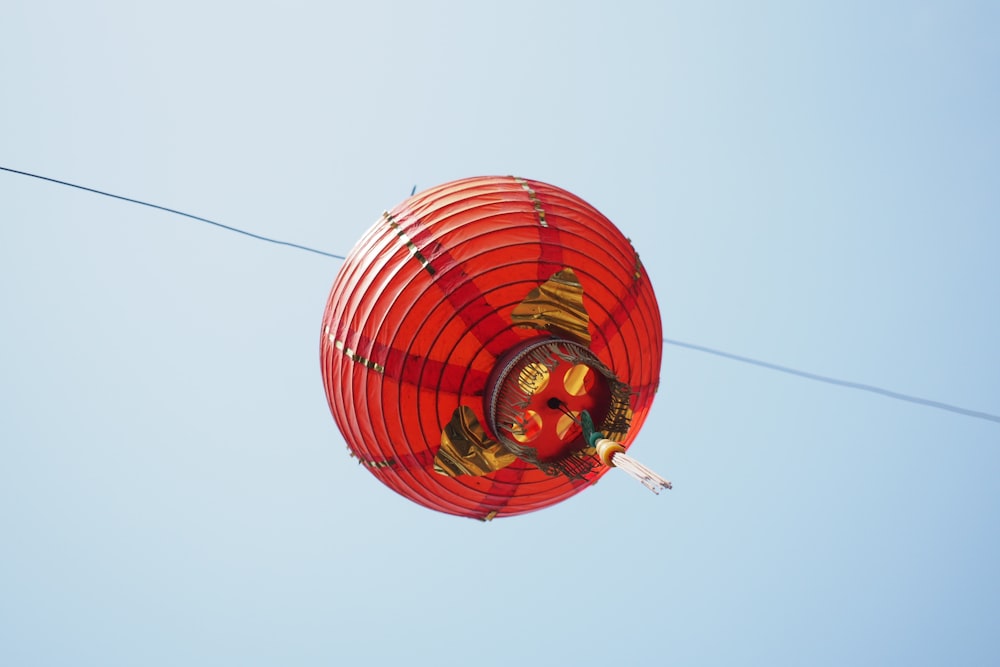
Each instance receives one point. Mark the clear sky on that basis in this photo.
(815, 184)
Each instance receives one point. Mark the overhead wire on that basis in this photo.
(230, 228)
(816, 377)
(848, 384)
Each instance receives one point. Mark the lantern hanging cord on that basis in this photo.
(917, 400)
(560, 405)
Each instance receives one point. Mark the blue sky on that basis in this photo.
(813, 184)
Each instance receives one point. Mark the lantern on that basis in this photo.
(491, 346)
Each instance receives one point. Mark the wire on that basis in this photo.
(840, 383)
(175, 211)
(691, 346)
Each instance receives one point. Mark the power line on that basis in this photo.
(176, 212)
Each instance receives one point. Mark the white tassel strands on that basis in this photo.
(613, 454)
(647, 477)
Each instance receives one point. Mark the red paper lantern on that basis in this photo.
(469, 330)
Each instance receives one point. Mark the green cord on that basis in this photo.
(590, 433)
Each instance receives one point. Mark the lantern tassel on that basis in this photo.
(612, 454)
